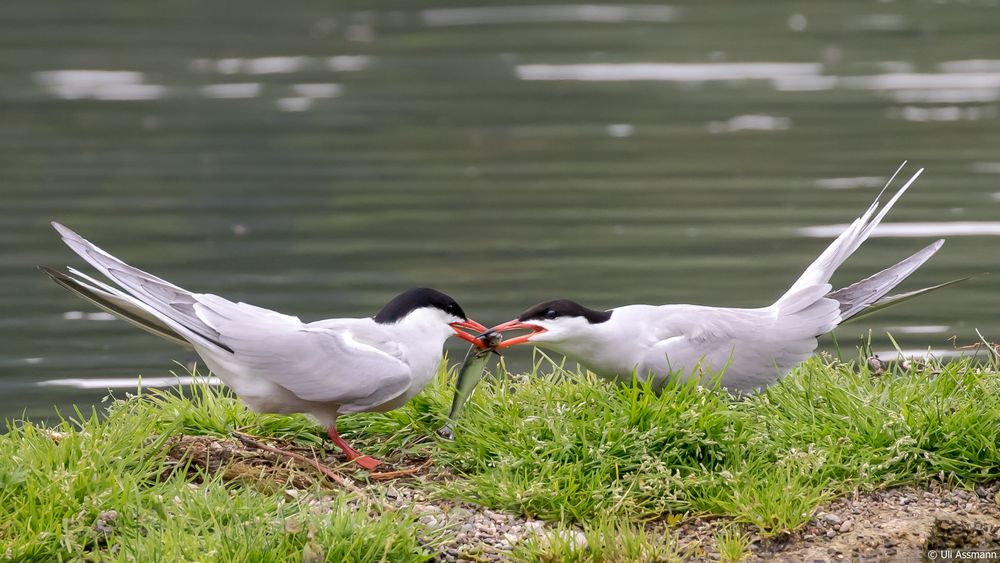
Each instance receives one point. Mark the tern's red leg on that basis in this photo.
(352, 454)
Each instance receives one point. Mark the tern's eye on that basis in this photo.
(551, 314)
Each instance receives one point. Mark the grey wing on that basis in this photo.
(116, 302)
(314, 363)
(166, 302)
(753, 347)
(856, 297)
(319, 364)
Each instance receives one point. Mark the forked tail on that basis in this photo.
(818, 273)
(810, 302)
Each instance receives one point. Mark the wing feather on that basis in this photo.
(159, 296)
(317, 364)
(323, 363)
(754, 347)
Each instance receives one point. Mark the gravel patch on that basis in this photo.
(462, 532)
(896, 524)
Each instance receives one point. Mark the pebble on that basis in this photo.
(536, 526)
(876, 365)
(490, 535)
(105, 523)
(460, 513)
(429, 521)
(578, 538)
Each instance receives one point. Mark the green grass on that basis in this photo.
(732, 545)
(55, 486)
(601, 540)
(572, 448)
(559, 446)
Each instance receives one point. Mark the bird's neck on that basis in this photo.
(605, 348)
(421, 328)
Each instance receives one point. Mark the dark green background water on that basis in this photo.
(371, 147)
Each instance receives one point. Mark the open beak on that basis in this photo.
(472, 325)
(516, 325)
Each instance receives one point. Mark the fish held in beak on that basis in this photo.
(469, 375)
(472, 325)
(515, 324)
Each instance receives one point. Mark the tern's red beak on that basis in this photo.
(516, 324)
(470, 325)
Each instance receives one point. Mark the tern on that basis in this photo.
(274, 362)
(749, 348)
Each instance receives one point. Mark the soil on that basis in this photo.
(900, 524)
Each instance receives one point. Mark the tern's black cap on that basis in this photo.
(417, 298)
(563, 308)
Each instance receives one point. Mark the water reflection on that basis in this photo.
(906, 87)
(87, 316)
(941, 113)
(128, 382)
(879, 22)
(673, 72)
(750, 123)
(318, 160)
(235, 90)
(920, 329)
(590, 13)
(922, 353)
(282, 65)
(929, 229)
(870, 182)
(98, 85)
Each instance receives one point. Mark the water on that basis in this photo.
(318, 160)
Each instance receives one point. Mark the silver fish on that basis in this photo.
(469, 374)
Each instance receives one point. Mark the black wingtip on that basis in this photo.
(60, 278)
(51, 272)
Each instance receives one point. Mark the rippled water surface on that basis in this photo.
(317, 160)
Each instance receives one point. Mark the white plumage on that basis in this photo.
(750, 347)
(277, 363)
